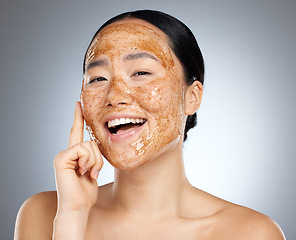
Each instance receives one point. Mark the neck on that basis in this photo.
(154, 188)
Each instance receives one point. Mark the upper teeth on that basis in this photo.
(119, 121)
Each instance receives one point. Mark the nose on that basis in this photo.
(118, 93)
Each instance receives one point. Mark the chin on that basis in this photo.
(128, 158)
(124, 158)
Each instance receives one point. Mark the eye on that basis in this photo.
(98, 79)
(141, 73)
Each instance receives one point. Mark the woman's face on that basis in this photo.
(133, 93)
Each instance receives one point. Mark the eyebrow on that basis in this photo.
(97, 63)
(133, 56)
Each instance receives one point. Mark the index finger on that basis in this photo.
(76, 134)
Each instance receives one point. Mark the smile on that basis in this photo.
(119, 126)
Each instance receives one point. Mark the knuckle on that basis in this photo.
(88, 143)
(78, 147)
(100, 163)
(58, 156)
(86, 153)
(94, 143)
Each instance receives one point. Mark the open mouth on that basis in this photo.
(123, 125)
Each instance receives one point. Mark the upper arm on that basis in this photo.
(35, 217)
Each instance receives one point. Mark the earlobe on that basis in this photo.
(193, 96)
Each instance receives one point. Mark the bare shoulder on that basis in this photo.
(226, 221)
(237, 222)
(35, 217)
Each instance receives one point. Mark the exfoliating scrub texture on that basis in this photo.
(131, 70)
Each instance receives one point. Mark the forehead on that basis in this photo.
(128, 35)
(137, 26)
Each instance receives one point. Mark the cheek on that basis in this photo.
(164, 95)
(91, 101)
(163, 102)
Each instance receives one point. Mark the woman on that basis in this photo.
(143, 76)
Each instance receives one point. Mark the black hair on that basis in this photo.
(182, 42)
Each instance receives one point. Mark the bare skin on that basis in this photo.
(132, 212)
(151, 201)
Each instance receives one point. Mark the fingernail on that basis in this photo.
(96, 175)
(84, 171)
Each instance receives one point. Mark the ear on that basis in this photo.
(193, 96)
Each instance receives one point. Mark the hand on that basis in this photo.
(77, 169)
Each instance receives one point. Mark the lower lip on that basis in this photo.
(124, 136)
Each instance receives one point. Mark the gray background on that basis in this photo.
(243, 149)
